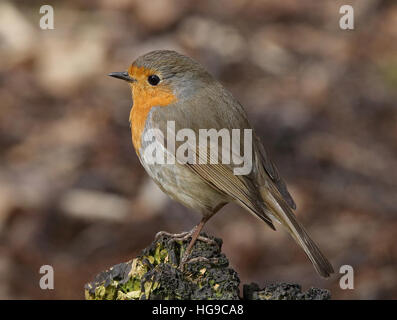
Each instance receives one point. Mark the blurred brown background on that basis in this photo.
(73, 194)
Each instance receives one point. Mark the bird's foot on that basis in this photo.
(171, 235)
(184, 236)
(185, 260)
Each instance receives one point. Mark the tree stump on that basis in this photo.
(155, 275)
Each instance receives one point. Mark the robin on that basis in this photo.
(168, 87)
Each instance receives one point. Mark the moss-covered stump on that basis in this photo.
(155, 275)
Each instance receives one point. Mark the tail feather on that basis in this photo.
(283, 213)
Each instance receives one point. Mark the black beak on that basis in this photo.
(122, 75)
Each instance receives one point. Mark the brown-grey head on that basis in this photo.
(170, 69)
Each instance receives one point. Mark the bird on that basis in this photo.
(169, 87)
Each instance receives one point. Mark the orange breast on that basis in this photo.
(146, 97)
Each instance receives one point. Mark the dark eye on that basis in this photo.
(153, 80)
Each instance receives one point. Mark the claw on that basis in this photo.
(195, 235)
(184, 236)
(185, 261)
(203, 259)
(171, 235)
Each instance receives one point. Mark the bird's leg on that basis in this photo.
(195, 234)
(187, 234)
